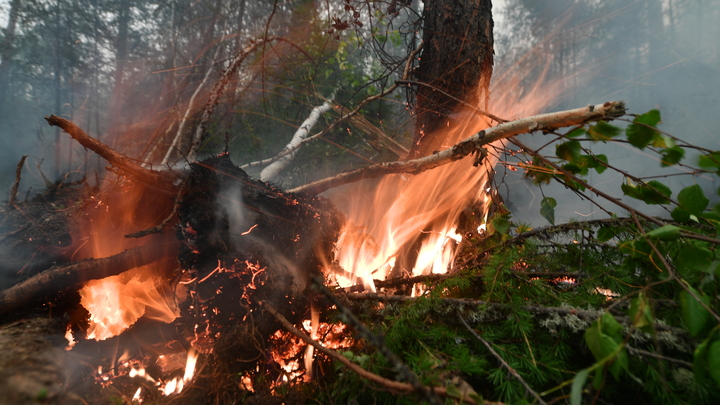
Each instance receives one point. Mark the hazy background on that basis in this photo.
(125, 70)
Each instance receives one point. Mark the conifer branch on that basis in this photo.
(501, 360)
(394, 386)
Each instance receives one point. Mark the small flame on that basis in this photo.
(136, 397)
(70, 338)
(176, 385)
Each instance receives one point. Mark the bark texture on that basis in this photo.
(457, 58)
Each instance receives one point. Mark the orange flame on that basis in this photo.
(387, 218)
(176, 385)
(115, 303)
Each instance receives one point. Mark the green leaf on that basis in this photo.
(640, 313)
(611, 327)
(666, 232)
(700, 360)
(653, 192)
(640, 135)
(605, 234)
(603, 339)
(569, 151)
(713, 359)
(663, 141)
(575, 133)
(547, 209)
(600, 166)
(602, 131)
(577, 386)
(500, 224)
(693, 200)
(710, 161)
(680, 215)
(694, 315)
(693, 258)
(651, 118)
(575, 169)
(672, 156)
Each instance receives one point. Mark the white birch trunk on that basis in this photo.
(271, 172)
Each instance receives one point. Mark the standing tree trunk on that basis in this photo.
(121, 56)
(457, 59)
(6, 52)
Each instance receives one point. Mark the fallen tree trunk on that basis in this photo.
(472, 145)
(64, 277)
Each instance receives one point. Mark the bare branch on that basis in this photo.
(181, 126)
(340, 120)
(158, 180)
(219, 89)
(473, 144)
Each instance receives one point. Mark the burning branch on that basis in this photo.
(473, 144)
(62, 278)
(152, 178)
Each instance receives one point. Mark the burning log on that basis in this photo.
(238, 241)
(65, 277)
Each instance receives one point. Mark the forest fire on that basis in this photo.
(410, 225)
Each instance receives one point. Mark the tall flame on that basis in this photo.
(115, 303)
(414, 219)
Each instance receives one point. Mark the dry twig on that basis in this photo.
(13, 191)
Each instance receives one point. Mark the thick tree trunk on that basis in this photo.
(457, 58)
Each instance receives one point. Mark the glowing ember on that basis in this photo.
(115, 303)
